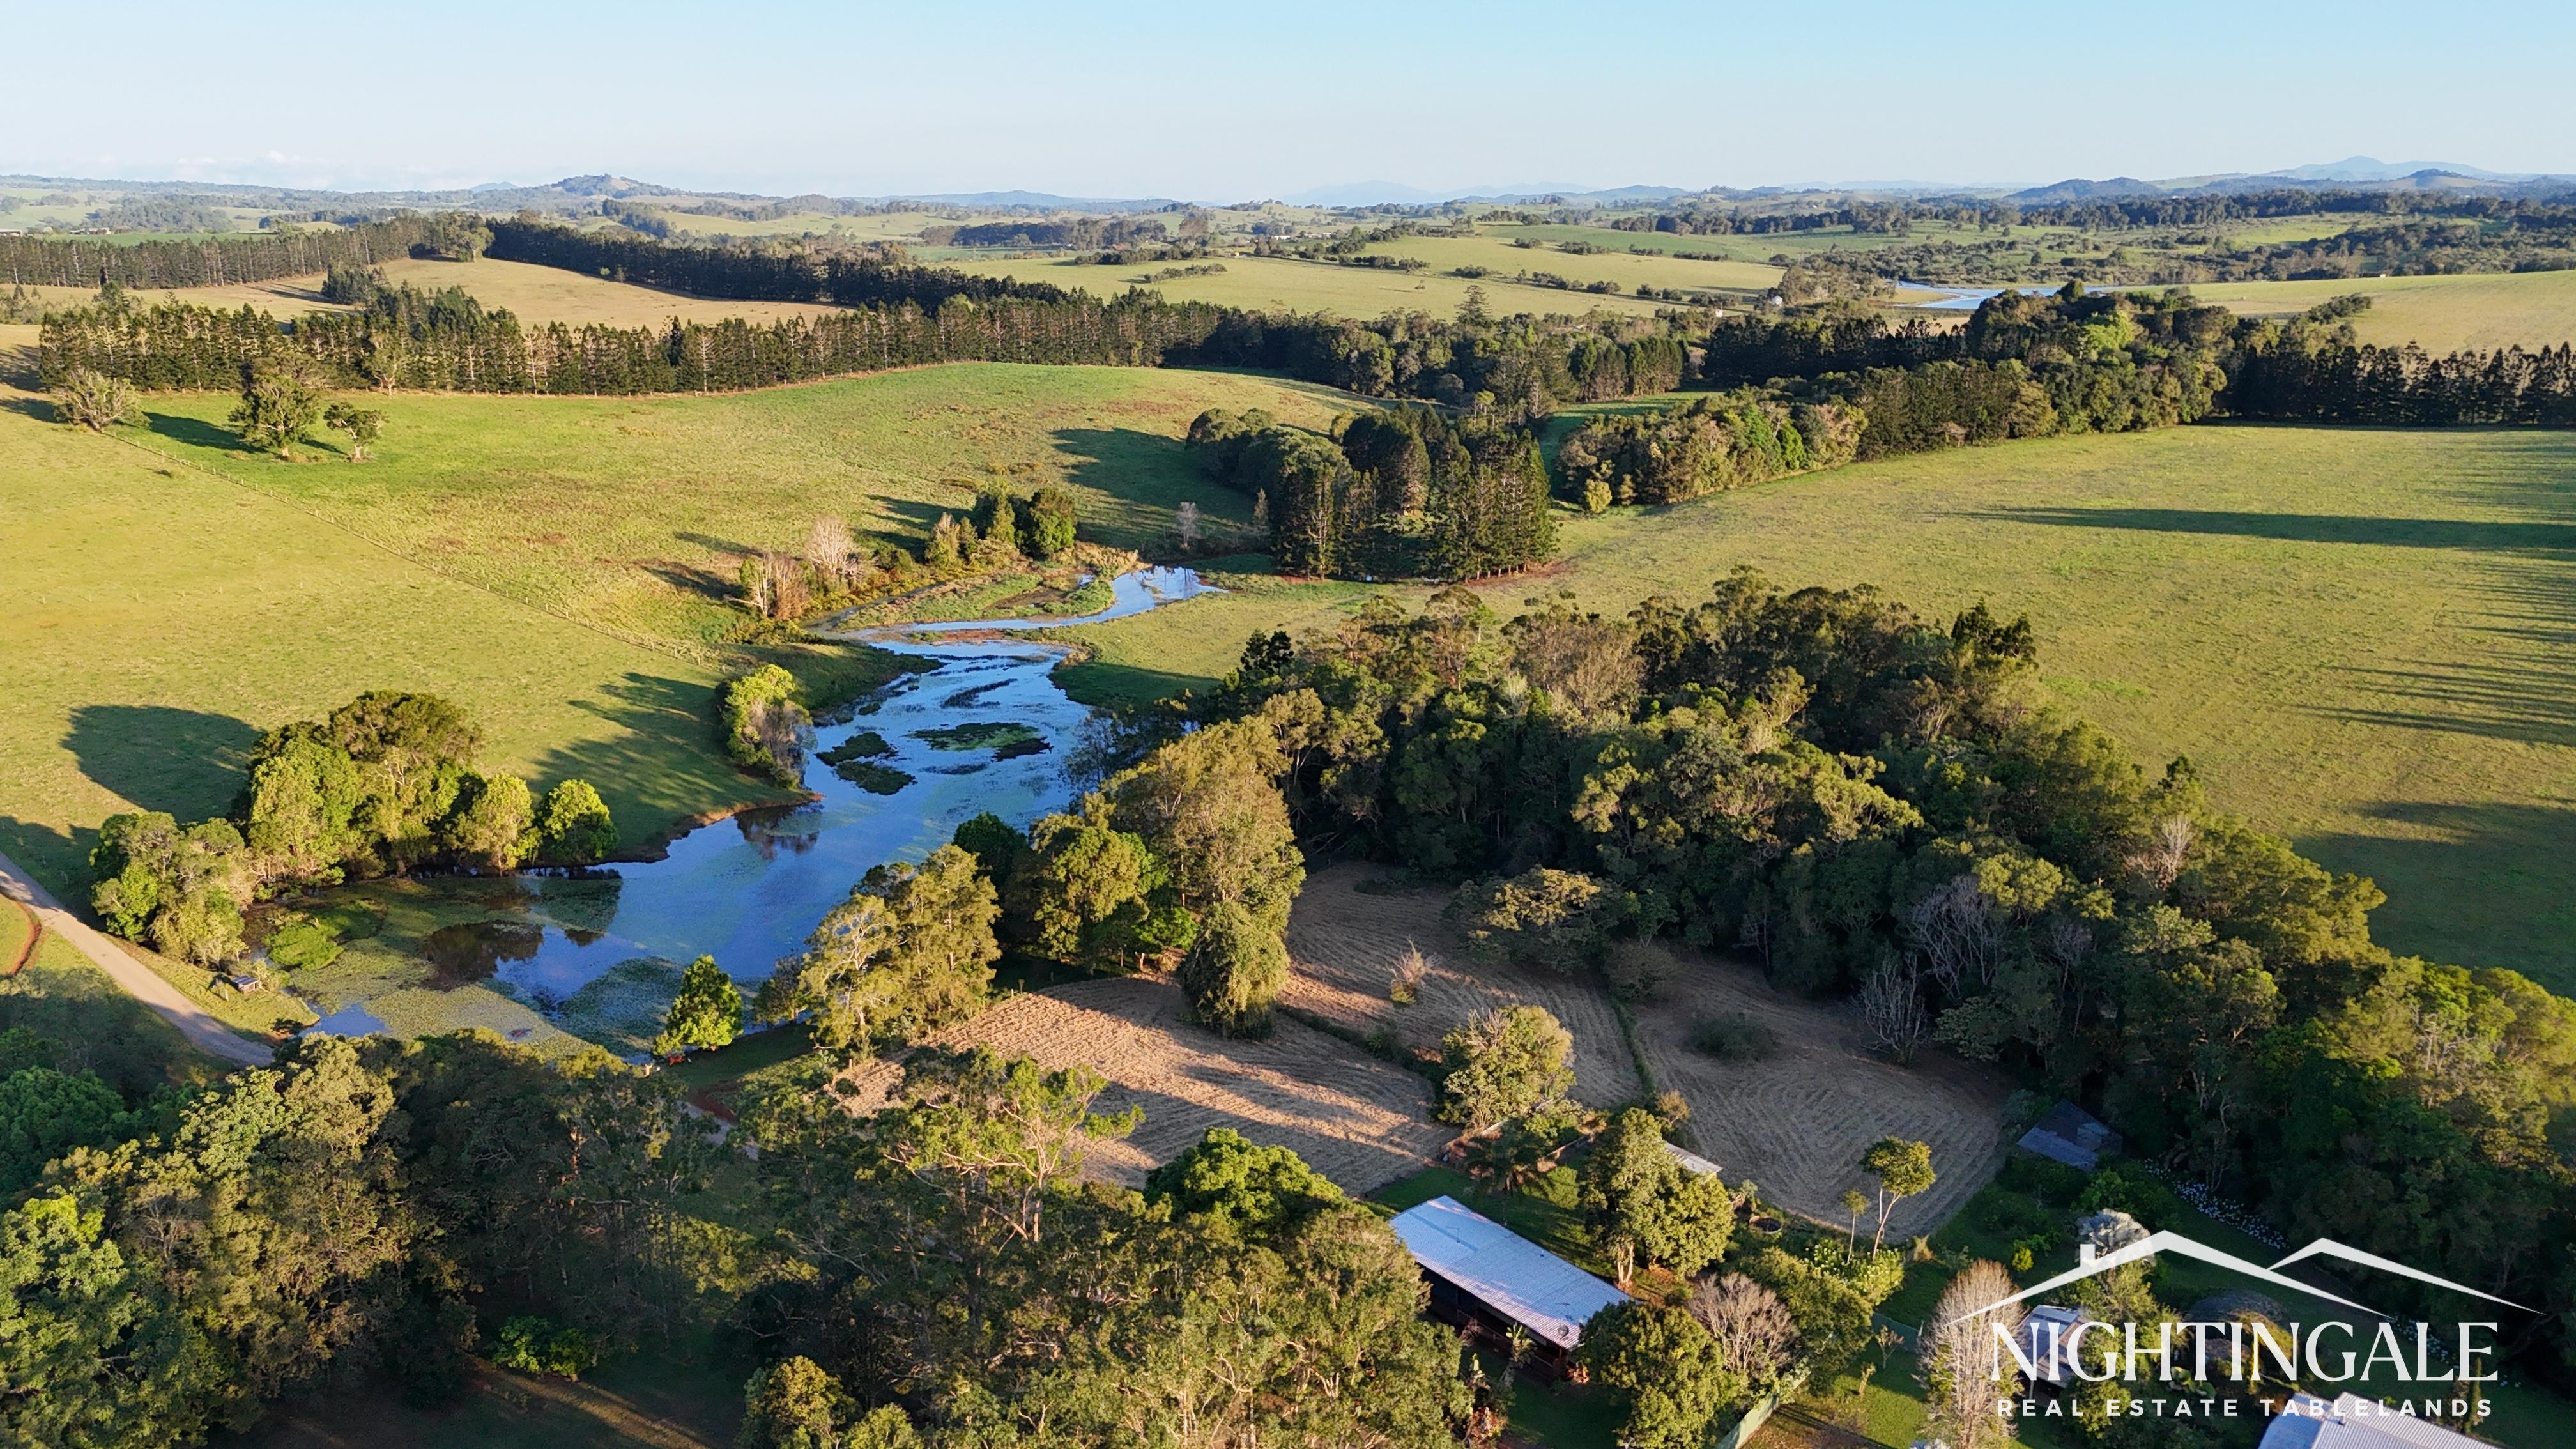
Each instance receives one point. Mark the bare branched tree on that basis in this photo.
(1753, 1329)
(829, 549)
(1964, 1369)
(1958, 932)
(1891, 1009)
(2160, 861)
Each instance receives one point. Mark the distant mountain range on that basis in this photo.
(579, 195)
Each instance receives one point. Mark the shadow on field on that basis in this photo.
(2522, 686)
(34, 407)
(661, 724)
(1146, 475)
(57, 857)
(195, 432)
(2494, 883)
(710, 541)
(183, 761)
(1121, 684)
(2475, 536)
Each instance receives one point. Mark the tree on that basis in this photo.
(1234, 970)
(92, 1355)
(1854, 1204)
(90, 399)
(1636, 1193)
(1675, 1378)
(1207, 805)
(1475, 312)
(794, 1404)
(494, 826)
(301, 816)
(830, 551)
(1753, 1329)
(910, 951)
(1502, 1064)
(181, 890)
(1964, 1371)
(765, 725)
(363, 425)
(45, 1113)
(1903, 1170)
(1100, 897)
(279, 405)
(1000, 848)
(574, 826)
(706, 1013)
(1047, 529)
(1245, 1191)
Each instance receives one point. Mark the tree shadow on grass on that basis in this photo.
(57, 857)
(184, 761)
(2489, 883)
(193, 432)
(2453, 533)
(663, 762)
(34, 407)
(1146, 476)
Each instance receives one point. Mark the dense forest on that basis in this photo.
(1877, 806)
(1406, 493)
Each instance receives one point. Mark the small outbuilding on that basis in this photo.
(2354, 1422)
(2071, 1135)
(1691, 1162)
(1488, 1280)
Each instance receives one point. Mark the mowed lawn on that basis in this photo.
(635, 513)
(2359, 637)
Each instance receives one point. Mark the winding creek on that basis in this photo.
(748, 889)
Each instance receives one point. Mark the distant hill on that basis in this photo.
(1035, 201)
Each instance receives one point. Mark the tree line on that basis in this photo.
(253, 257)
(1405, 493)
(1879, 806)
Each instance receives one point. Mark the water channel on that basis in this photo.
(748, 889)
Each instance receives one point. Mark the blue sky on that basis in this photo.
(1223, 102)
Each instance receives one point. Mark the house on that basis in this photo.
(2048, 1343)
(2353, 1422)
(2073, 1136)
(1488, 1280)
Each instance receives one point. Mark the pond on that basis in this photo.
(984, 729)
(1967, 299)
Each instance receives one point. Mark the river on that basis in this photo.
(748, 889)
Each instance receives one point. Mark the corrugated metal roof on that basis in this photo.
(1525, 1282)
(2353, 1422)
(1692, 1162)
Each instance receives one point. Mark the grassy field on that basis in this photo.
(533, 293)
(1270, 283)
(2533, 309)
(2358, 636)
(670, 1398)
(633, 513)
(156, 618)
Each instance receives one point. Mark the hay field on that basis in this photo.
(1357, 1120)
(1629, 269)
(1798, 1122)
(1282, 284)
(1343, 944)
(2358, 636)
(2481, 310)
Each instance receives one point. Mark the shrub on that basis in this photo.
(303, 943)
(1734, 1037)
(1504, 1064)
(574, 827)
(1552, 918)
(2044, 1178)
(1639, 970)
(1234, 971)
(534, 1345)
(93, 400)
(1411, 969)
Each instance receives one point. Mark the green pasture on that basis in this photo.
(2484, 310)
(1631, 270)
(1286, 284)
(2358, 636)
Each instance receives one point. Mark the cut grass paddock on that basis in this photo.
(2358, 636)
(1284, 284)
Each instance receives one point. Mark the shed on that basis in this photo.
(1488, 1279)
(2354, 1422)
(2073, 1136)
(245, 982)
(1691, 1162)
